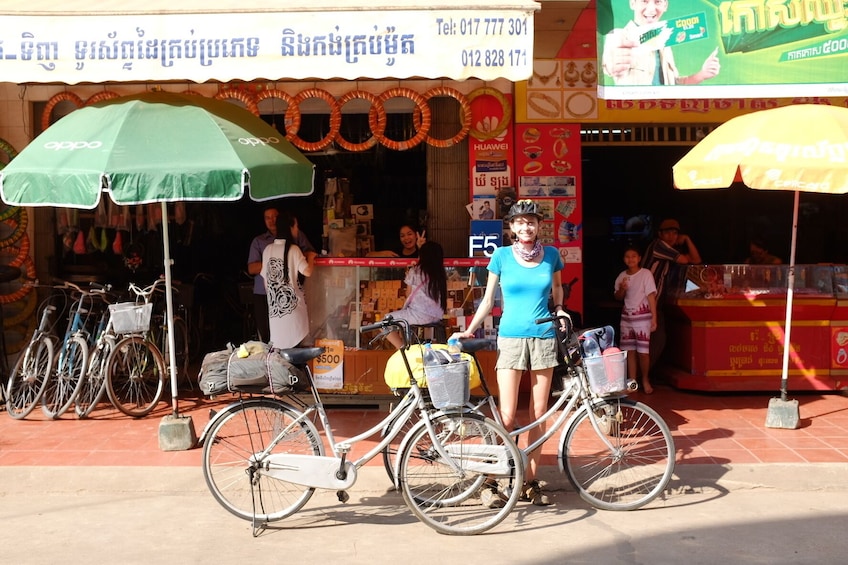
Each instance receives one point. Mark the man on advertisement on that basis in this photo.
(639, 54)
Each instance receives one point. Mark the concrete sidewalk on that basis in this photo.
(776, 513)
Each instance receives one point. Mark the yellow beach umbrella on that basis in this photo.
(799, 148)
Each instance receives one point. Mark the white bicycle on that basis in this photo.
(263, 457)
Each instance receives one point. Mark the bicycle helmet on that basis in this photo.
(524, 208)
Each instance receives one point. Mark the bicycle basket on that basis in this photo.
(607, 373)
(129, 317)
(397, 377)
(448, 384)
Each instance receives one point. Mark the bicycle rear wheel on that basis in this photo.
(473, 498)
(631, 471)
(391, 450)
(66, 380)
(28, 378)
(232, 471)
(135, 376)
(94, 382)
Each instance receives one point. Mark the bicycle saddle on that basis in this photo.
(300, 355)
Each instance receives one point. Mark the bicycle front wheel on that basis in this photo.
(94, 382)
(28, 378)
(623, 464)
(135, 376)
(232, 467)
(475, 489)
(66, 380)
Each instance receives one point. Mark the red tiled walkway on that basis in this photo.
(707, 428)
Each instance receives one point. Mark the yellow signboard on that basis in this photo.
(329, 366)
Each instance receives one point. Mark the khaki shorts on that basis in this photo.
(523, 353)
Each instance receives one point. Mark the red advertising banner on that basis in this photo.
(547, 162)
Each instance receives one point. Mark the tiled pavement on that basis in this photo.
(708, 428)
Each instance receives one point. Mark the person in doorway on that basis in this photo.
(254, 266)
(759, 254)
(411, 241)
(427, 288)
(631, 62)
(527, 273)
(663, 257)
(635, 286)
(282, 263)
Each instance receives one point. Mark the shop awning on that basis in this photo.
(44, 41)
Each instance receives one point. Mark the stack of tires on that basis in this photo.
(17, 299)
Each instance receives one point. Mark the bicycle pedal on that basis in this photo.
(343, 496)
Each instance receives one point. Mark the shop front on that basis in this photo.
(726, 325)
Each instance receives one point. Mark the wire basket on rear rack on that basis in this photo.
(448, 384)
(129, 317)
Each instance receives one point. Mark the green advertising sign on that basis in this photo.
(679, 49)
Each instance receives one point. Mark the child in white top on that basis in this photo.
(636, 287)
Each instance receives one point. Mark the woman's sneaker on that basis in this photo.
(490, 496)
(532, 492)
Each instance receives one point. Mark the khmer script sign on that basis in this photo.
(392, 43)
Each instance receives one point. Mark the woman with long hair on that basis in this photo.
(427, 289)
(282, 263)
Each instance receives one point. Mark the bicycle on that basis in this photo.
(94, 382)
(135, 370)
(29, 376)
(617, 453)
(263, 458)
(71, 362)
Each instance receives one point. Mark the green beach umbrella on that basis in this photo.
(156, 147)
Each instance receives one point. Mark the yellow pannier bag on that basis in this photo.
(396, 375)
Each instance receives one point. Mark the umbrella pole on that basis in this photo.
(783, 413)
(790, 291)
(169, 303)
(175, 433)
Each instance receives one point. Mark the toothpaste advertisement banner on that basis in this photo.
(686, 49)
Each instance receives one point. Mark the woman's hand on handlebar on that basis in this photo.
(462, 335)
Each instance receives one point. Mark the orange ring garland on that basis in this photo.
(290, 126)
(421, 106)
(100, 97)
(242, 96)
(464, 116)
(19, 226)
(22, 253)
(506, 108)
(24, 313)
(29, 268)
(48, 109)
(335, 119)
(379, 120)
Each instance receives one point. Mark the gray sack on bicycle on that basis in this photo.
(260, 371)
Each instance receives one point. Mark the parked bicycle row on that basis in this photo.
(459, 470)
(112, 344)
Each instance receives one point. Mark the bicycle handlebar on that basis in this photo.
(566, 318)
(146, 291)
(387, 323)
